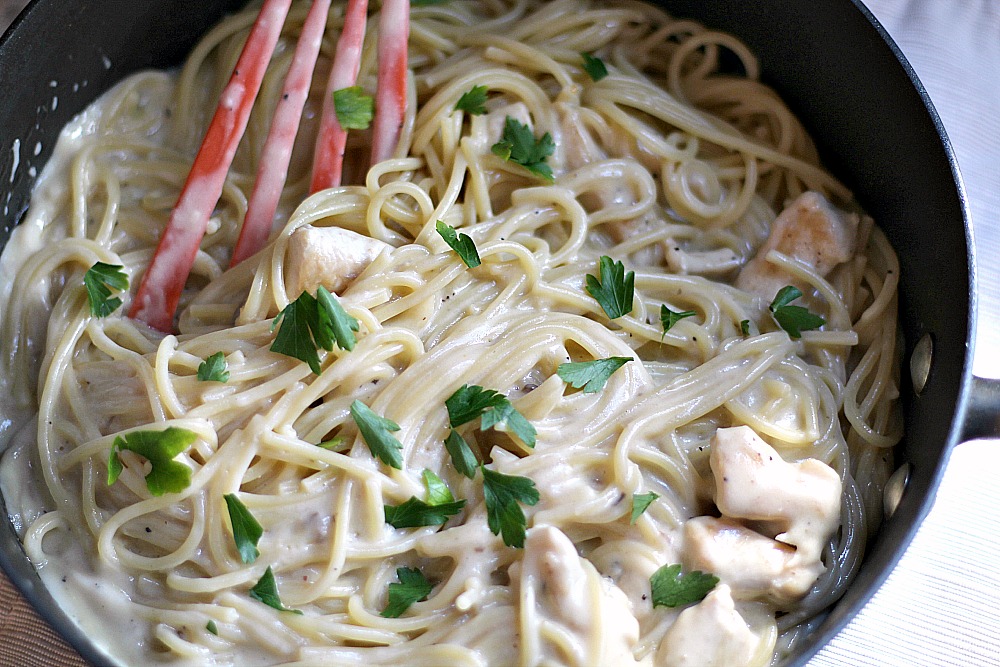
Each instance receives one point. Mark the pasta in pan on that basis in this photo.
(533, 459)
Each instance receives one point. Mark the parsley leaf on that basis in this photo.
(793, 319)
(308, 323)
(460, 243)
(745, 327)
(473, 102)
(335, 325)
(99, 279)
(461, 454)
(214, 369)
(266, 591)
(246, 529)
(415, 513)
(471, 401)
(673, 589)
(294, 338)
(376, 432)
(503, 514)
(517, 144)
(669, 318)
(614, 290)
(412, 587)
(211, 627)
(337, 443)
(438, 492)
(355, 108)
(590, 375)
(159, 448)
(594, 66)
(640, 502)
(507, 417)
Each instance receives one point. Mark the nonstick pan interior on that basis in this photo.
(840, 73)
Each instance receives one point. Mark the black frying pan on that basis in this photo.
(829, 59)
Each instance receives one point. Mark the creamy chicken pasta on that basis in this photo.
(594, 365)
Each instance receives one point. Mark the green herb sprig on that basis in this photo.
(670, 588)
(591, 376)
(793, 319)
(99, 280)
(614, 289)
(412, 587)
(355, 108)
(159, 448)
(518, 144)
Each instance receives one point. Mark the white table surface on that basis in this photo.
(941, 605)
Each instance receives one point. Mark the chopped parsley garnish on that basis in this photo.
(211, 627)
(377, 434)
(640, 503)
(669, 318)
(159, 448)
(471, 401)
(507, 418)
(517, 144)
(415, 513)
(308, 323)
(590, 375)
(99, 280)
(462, 457)
(594, 66)
(266, 591)
(355, 108)
(337, 443)
(745, 327)
(412, 587)
(460, 243)
(614, 289)
(473, 102)
(503, 513)
(214, 369)
(246, 529)
(673, 589)
(793, 319)
(438, 492)
(440, 505)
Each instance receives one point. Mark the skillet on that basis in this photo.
(833, 64)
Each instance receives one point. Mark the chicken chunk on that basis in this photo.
(810, 230)
(709, 634)
(799, 501)
(328, 256)
(752, 565)
(569, 613)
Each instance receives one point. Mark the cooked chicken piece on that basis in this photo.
(709, 634)
(752, 565)
(328, 256)
(810, 230)
(569, 613)
(798, 501)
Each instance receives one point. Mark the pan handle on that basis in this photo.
(982, 411)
